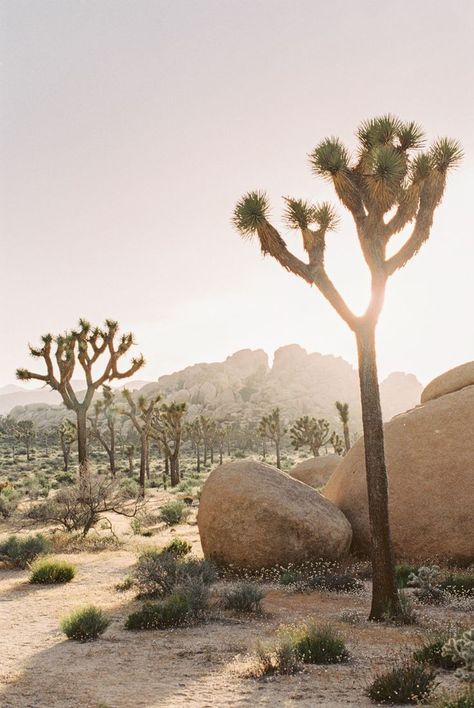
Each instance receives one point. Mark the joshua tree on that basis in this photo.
(105, 412)
(337, 443)
(168, 430)
(193, 432)
(84, 345)
(271, 428)
(130, 450)
(207, 427)
(386, 187)
(25, 433)
(221, 436)
(8, 430)
(141, 415)
(311, 432)
(343, 412)
(67, 437)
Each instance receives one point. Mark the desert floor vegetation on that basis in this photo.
(205, 643)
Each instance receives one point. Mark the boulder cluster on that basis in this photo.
(253, 516)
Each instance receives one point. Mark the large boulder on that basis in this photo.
(452, 380)
(252, 515)
(430, 461)
(316, 470)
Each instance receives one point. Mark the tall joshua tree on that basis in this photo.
(313, 432)
(388, 185)
(141, 412)
(193, 432)
(168, 430)
(343, 412)
(84, 345)
(271, 428)
(105, 415)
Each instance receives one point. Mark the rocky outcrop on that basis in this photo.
(452, 380)
(252, 516)
(430, 462)
(316, 471)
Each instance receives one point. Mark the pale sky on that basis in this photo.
(129, 129)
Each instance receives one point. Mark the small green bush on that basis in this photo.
(172, 612)
(178, 548)
(46, 571)
(430, 652)
(129, 488)
(403, 572)
(157, 574)
(270, 659)
(409, 682)
(244, 597)
(174, 512)
(85, 623)
(316, 644)
(459, 584)
(20, 551)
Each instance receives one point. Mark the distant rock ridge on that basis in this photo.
(245, 386)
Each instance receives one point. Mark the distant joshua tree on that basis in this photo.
(67, 437)
(168, 430)
(337, 443)
(271, 428)
(25, 433)
(311, 432)
(387, 186)
(105, 414)
(84, 345)
(343, 412)
(193, 432)
(141, 414)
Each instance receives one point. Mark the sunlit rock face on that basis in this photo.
(452, 380)
(316, 471)
(430, 462)
(253, 516)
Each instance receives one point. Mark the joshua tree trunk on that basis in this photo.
(148, 459)
(277, 447)
(385, 597)
(143, 463)
(198, 459)
(130, 462)
(347, 439)
(205, 454)
(174, 470)
(111, 451)
(81, 414)
(212, 454)
(167, 465)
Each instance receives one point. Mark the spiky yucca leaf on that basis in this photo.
(329, 158)
(325, 216)
(298, 213)
(387, 164)
(420, 167)
(250, 211)
(23, 375)
(378, 131)
(446, 153)
(410, 136)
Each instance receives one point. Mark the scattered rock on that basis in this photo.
(252, 515)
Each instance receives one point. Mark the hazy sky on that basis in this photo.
(129, 128)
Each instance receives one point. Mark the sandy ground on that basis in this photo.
(195, 666)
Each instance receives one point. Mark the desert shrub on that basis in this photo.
(178, 548)
(403, 572)
(430, 652)
(64, 542)
(459, 584)
(174, 512)
(270, 659)
(426, 581)
(47, 571)
(172, 612)
(129, 488)
(157, 574)
(461, 649)
(20, 551)
(9, 498)
(410, 682)
(243, 597)
(85, 623)
(337, 582)
(316, 644)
